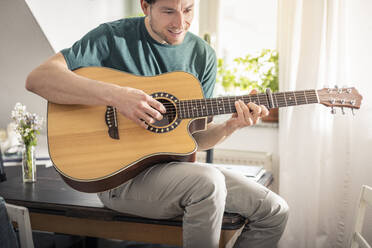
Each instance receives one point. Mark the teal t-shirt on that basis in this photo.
(127, 46)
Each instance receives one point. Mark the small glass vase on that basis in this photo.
(28, 164)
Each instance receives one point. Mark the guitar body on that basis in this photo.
(90, 160)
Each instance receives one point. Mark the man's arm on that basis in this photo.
(56, 83)
(246, 115)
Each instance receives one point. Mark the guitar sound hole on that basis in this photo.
(169, 116)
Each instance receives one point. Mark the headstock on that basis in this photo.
(340, 97)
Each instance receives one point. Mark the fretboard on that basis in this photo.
(225, 105)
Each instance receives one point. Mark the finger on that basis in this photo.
(253, 92)
(152, 112)
(156, 105)
(264, 111)
(255, 111)
(239, 111)
(247, 116)
(141, 123)
(145, 117)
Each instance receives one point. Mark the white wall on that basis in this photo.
(22, 47)
(64, 22)
(31, 31)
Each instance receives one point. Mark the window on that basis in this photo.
(246, 26)
(238, 28)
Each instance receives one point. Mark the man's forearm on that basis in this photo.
(215, 134)
(56, 83)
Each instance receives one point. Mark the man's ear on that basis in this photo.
(145, 7)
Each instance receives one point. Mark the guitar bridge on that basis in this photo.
(112, 122)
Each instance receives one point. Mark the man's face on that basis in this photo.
(169, 20)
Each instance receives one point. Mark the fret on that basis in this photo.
(223, 105)
(215, 107)
(188, 109)
(219, 105)
(300, 97)
(253, 98)
(199, 107)
(196, 108)
(290, 98)
(281, 101)
(192, 108)
(235, 99)
(230, 104)
(312, 96)
(183, 109)
(179, 109)
(306, 102)
(182, 115)
(285, 99)
(264, 100)
(295, 98)
(276, 99)
(204, 108)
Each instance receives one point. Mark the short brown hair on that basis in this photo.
(150, 1)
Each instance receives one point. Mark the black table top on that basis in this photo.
(51, 195)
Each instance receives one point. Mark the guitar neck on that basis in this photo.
(226, 105)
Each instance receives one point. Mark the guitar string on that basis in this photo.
(219, 102)
(214, 108)
(210, 102)
(299, 99)
(223, 100)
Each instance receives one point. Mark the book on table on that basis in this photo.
(13, 156)
(254, 172)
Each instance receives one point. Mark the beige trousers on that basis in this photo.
(201, 193)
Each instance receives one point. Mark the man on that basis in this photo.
(152, 45)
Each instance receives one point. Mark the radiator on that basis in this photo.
(225, 156)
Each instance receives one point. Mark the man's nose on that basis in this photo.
(179, 20)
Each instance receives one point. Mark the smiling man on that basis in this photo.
(148, 46)
(170, 22)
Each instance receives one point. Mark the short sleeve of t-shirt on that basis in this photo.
(92, 50)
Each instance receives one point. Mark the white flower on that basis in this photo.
(26, 124)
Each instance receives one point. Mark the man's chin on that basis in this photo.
(175, 41)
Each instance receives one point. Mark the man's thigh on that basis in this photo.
(162, 191)
(244, 195)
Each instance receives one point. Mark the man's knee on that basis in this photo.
(277, 210)
(207, 183)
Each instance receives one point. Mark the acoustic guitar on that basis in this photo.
(94, 148)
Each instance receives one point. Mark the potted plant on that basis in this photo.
(259, 71)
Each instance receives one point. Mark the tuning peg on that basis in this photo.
(333, 111)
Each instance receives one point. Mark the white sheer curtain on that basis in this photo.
(320, 164)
